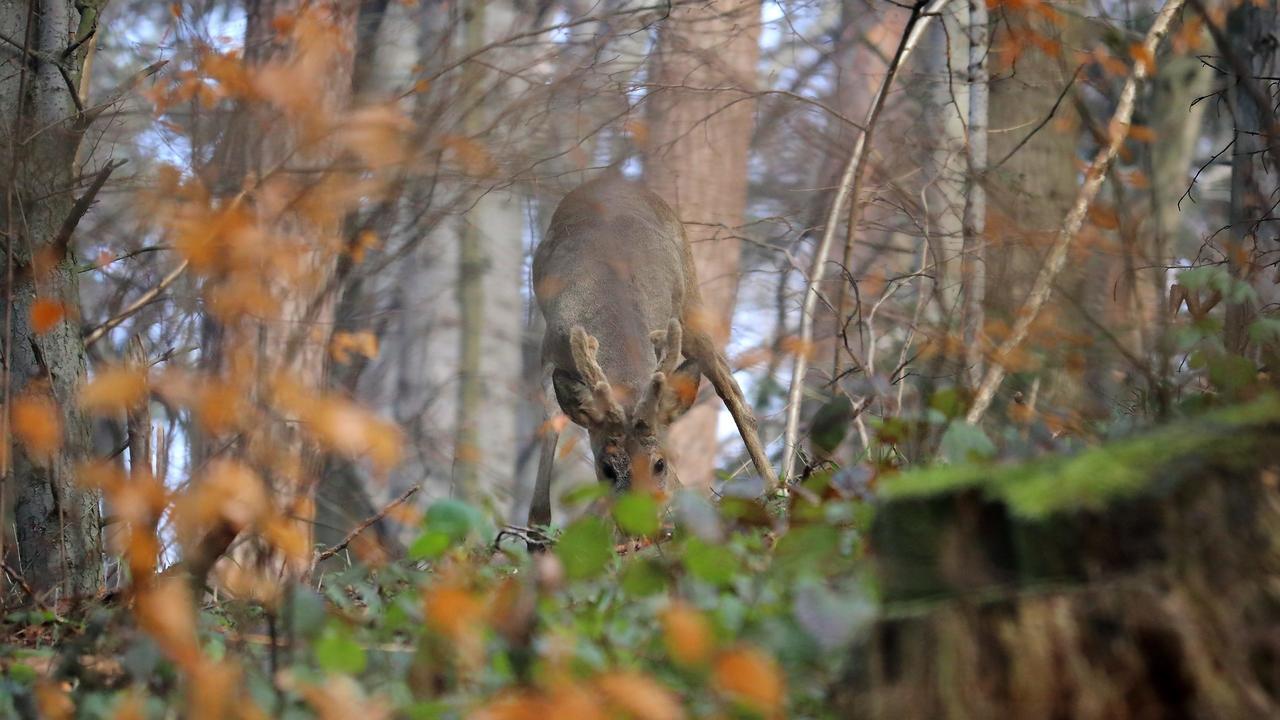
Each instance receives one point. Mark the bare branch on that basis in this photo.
(355, 531)
(921, 14)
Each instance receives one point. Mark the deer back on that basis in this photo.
(615, 262)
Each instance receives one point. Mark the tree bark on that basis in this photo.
(1127, 582)
(701, 116)
(1030, 185)
(1251, 28)
(57, 520)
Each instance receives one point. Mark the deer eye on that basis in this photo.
(659, 466)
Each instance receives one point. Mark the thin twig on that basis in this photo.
(334, 550)
(16, 577)
(1094, 177)
(921, 14)
(96, 334)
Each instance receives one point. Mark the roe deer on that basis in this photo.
(615, 280)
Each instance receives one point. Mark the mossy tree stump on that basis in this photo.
(1137, 580)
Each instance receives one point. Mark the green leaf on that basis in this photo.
(642, 577)
(306, 611)
(584, 494)
(1265, 331)
(1204, 277)
(585, 548)
(949, 402)
(429, 545)
(23, 673)
(710, 563)
(963, 442)
(452, 518)
(805, 549)
(830, 424)
(338, 652)
(637, 514)
(1231, 373)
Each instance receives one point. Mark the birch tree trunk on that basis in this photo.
(57, 520)
(946, 110)
(700, 129)
(489, 279)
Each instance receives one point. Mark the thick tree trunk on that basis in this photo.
(1030, 187)
(1123, 583)
(1251, 28)
(701, 115)
(57, 520)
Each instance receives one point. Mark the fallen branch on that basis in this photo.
(334, 550)
(850, 181)
(1094, 177)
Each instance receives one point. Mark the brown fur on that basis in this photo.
(616, 263)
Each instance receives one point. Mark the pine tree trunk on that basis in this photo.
(57, 520)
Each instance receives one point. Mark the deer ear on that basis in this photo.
(682, 390)
(574, 396)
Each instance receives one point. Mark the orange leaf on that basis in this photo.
(471, 155)
(164, 611)
(45, 314)
(639, 696)
(53, 701)
(37, 425)
(1142, 133)
(453, 610)
(1141, 54)
(687, 635)
(113, 390)
(1104, 216)
(749, 676)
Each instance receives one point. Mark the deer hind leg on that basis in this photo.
(540, 506)
(700, 346)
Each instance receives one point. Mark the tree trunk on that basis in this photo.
(57, 520)
(1251, 28)
(1030, 185)
(701, 115)
(1127, 582)
(945, 106)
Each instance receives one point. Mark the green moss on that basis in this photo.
(1100, 475)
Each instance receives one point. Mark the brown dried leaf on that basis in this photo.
(748, 676)
(37, 425)
(46, 314)
(114, 390)
(639, 696)
(687, 635)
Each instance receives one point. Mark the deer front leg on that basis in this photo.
(716, 368)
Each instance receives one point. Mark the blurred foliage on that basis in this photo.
(683, 627)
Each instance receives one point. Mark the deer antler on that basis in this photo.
(668, 357)
(584, 348)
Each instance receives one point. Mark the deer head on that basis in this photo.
(628, 433)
